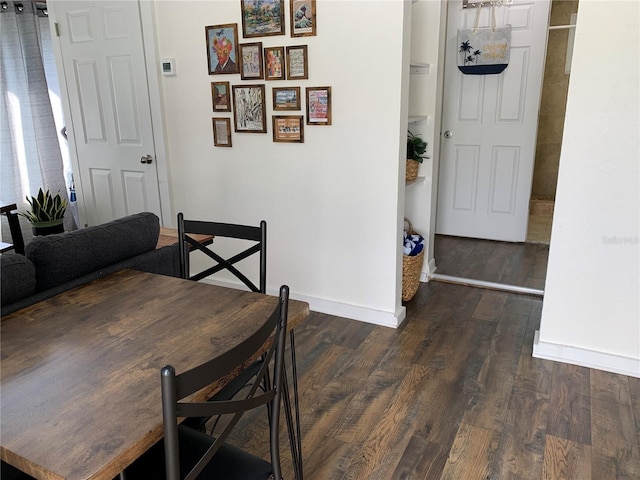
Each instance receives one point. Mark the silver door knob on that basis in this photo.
(448, 134)
(146, 159)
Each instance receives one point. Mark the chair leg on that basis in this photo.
(293, 425)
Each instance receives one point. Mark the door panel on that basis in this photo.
(104, 68)
(486, 162)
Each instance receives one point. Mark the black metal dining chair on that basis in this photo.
(188, 454)
(257, 235)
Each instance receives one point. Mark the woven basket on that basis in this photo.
(411, 269)
(412, 170)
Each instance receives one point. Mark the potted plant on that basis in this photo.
(47, 212)
(416, 147)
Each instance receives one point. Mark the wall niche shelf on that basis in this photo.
(418, 119)
(416, 181)
(416, 68)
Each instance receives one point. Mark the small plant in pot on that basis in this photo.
(416, 148)
(47, 212)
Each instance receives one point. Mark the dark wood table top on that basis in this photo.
(169, 236)
(80, 378)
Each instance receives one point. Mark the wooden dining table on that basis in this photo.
(80, 377)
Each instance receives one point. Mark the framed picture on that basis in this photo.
(222, 48)
(274, 63)
(262, 18)
(221, 96)
(222, 132)
(286, 98)
(251, 61)
(303, 18)
(297, 62)
(249, 109)
(288, 128)
(318, 105)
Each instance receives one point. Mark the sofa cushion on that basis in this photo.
(18, 278)
(65, 256)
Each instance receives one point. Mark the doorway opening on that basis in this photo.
(523, 265)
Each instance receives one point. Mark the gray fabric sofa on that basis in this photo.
(56, 263)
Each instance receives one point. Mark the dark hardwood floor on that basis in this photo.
(520, 264)
(454, 394)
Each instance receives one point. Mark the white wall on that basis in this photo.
(591, 313)
(331, 203)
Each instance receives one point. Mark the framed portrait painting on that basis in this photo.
(249, 108)
(251, 61)
(288, 128)
(222, 132)
(303, 18)
(262, 18)
(222, 48)
(221, 96)
(318, 105)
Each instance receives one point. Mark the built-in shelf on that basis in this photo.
(416, 181)
(418, 119)
(416, 68)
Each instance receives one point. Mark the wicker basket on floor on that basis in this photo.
(411, 270)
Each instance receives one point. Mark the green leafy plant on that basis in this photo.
(45, 207)
(416, 147)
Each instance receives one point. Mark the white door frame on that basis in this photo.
(439, 114)
(157, 115)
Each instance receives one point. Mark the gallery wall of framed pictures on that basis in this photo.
(250, 51)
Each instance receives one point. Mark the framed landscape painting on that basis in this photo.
(262, 18)
(249, 109)
(286, 98)
(222, 48)
(221, 96)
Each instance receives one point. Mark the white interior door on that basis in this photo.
(103, 64)
(489, 128)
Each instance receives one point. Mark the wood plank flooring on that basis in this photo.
(520, 264)
(453, 394)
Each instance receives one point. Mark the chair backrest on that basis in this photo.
(270, 379)
(245, 232)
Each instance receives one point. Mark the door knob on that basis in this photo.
(448, 134)
(146, 159)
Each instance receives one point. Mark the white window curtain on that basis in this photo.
(30, 154)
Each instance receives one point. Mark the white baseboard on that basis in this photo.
(586, 358)
(431, 269)
(353, 312)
